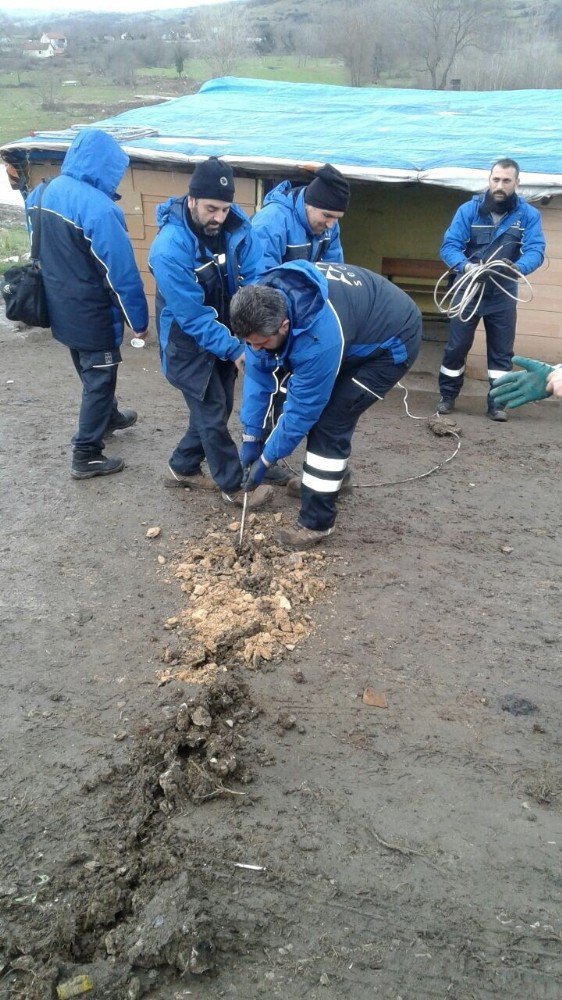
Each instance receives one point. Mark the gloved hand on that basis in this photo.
(517, 388)
(253, 475)
(250, 450)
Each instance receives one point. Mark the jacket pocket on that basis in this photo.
(188, 367)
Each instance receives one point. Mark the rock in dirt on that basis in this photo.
(441, 426)
(75, 987)
(286, 721)
(153, 532)
(376, 699)
(515, 705)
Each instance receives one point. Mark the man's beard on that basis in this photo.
(500, 202)
(209, 229)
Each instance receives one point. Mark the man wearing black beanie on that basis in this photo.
(205, 250)
(302, 223)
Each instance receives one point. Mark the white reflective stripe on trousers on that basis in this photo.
(495, 374)
(451, 372)
(321, 485)
(325, 464)
(366, 388)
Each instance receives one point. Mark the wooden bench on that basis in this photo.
(412, 275)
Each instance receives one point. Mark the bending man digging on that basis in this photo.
(346, 336)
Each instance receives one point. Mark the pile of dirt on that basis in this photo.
(244, 607)
(132, 911)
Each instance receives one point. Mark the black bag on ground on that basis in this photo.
(22, 286)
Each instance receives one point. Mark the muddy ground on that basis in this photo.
(409, 852)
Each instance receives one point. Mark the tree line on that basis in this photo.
(435, 44)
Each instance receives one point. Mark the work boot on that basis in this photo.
(497, 413)
(95, 465)
(294, 485)
(445, 405)
(257, 498)
(278, 475)
(300, 537)
(196, 481)
(122, 420)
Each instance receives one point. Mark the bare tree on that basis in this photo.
(150, 51)
(121, 64)
(50, 85)
(437, 32)
(224, 37)
(355, 38)
(526, 56)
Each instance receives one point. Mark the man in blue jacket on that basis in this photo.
(302, 223)
(500, 225)
(92, 285)
(204, 251)
(346, 335)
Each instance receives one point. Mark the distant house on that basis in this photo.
(58, 42)
(38, 50)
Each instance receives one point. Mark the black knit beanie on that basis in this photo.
(212, 179)
(328, 190)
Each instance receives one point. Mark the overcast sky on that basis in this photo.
(98, 6)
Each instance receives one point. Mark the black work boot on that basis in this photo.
(95, 465)
(299, 537)
(445, 405)
(122, 420)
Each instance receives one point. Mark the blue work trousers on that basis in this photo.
(98, 373)
(499, 323)
(207, 435)
(361, 382)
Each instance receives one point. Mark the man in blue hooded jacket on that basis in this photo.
(346, 335)
(496, 225)
(204, 251)
(92, 284)
(302, 223)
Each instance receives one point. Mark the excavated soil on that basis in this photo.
(251, 773)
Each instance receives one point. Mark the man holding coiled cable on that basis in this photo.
(497, 226)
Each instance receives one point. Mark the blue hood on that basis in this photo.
(283, 194)
(172, 211)
(305, 289)
(96, 158)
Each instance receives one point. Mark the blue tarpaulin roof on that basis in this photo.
(378, 134)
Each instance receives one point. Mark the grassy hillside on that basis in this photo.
(26, 107)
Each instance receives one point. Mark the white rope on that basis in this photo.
(462, 300)
(422, 475)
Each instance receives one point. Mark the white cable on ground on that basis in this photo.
(422, 475)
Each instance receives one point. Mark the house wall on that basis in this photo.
(383, 220)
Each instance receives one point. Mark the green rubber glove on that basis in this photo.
(517, 388)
